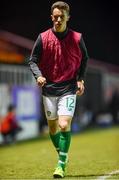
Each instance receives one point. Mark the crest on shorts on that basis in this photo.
(48, 113)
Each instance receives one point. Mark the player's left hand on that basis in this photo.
(80, 87)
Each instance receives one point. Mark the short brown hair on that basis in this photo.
(60, 5)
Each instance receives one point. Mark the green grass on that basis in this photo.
(92, 154)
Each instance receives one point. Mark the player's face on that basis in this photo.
(59, 19)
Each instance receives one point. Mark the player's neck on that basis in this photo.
(61, 35)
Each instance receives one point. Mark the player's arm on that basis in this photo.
(82, 69)
(34, 60)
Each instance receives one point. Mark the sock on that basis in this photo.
(55, 139)
(64, 143)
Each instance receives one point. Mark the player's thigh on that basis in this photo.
(50, 106)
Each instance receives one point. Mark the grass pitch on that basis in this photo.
(92, 154)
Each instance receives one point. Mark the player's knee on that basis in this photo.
(65, 122)
(64, 125)
(53, 126)
(52, 130)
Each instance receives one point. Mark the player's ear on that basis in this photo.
(51, 17)
(68, 17)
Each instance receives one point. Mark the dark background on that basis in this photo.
(96, 20)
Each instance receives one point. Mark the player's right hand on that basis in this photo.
(41, 81)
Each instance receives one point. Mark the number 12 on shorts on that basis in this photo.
(70, 103)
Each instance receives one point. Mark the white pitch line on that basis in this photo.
(108, 175)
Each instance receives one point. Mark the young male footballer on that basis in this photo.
(58, 62)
